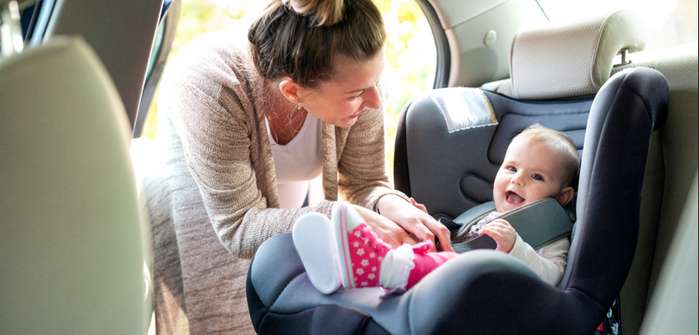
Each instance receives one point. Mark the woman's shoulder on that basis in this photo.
(215, 69)
(218, 59)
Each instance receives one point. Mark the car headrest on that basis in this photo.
(571, 60)
(74, 238)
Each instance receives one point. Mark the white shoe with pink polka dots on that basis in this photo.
(361, 252)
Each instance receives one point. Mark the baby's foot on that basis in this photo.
(314, 240)
(347, 253)
(360, 250)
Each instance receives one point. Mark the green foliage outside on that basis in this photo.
(410, 52)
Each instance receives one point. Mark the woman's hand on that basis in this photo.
(387, 230)
(414, 219)
(502, 233)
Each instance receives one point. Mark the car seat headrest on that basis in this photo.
(571, 60)
(74, 238)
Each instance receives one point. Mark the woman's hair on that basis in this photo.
(300, 38)
(561, 143)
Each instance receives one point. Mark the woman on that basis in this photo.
(246, 130)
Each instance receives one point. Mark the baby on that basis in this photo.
(539, 163)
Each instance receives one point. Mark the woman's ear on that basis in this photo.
(565, 196)
(289, 89)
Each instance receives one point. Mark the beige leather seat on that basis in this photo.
(74, 242)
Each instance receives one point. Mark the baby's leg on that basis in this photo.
(366, 261)
(347, 253)
(426, 263)
(403, 267)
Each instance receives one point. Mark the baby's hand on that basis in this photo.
(502, 233)
(492, 215)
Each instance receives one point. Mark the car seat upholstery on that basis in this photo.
(449, 147)
(73, 238)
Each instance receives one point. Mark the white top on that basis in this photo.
(297, 162)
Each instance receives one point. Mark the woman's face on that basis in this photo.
(352, 90)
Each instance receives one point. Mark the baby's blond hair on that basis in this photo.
(559, 142)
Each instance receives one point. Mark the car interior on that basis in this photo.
(77, 78)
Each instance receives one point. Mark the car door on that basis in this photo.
(123, 34)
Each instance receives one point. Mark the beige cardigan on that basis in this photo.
(218, 172)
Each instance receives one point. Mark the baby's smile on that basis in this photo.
(513, 198)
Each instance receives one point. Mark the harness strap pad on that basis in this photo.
(537, 223)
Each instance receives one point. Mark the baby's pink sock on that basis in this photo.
(403, 267)
(425, 262)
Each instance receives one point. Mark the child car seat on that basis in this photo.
(453, 141)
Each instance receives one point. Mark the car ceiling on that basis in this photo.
(479, 34)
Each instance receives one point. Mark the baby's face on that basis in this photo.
(531, 171)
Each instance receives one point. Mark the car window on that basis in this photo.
(162, 43)
(34, 17)
(410, 63)
(28, 14)
(12, 27)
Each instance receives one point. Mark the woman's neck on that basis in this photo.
(285, 119)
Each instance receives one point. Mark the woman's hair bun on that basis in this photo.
(301, 38)
(324, 12)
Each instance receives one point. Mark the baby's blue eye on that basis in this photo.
(538, 177)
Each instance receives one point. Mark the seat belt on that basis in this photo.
(538, 223)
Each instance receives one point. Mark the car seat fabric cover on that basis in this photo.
(609, 190)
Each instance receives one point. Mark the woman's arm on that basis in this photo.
(363, 181)
(361, 166)
(208, 111)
